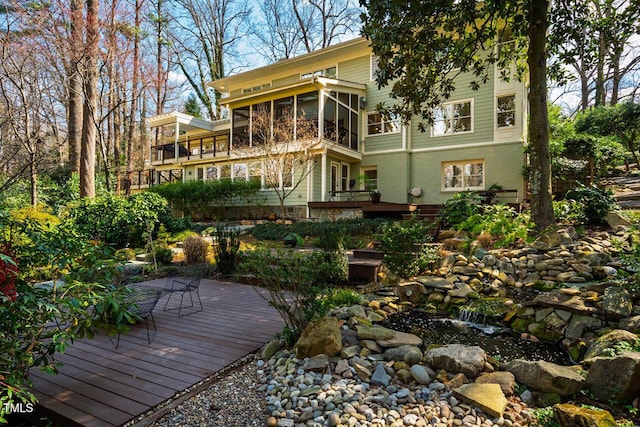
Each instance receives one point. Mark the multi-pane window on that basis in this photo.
(506, 111)
(330, 72)
(466, 175)
(377, 124)
(452, 118)
(240, 171)
(211, 172)
(255, 171)
(370, 181)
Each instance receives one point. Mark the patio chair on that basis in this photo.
(180, 286)
(143, 300)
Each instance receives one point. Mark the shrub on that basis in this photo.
(568, 212)
(196, 250)
(117, 220)
(458, 208)
(501, 222)
(226, 248)
(403, 244)
(596, 202)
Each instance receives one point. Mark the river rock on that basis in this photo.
(320, 336)
(616, 378)
(545, 376)
(454, 358)
(420, 374)
(374, 332)
(488, 397)
(380, 376)
(399, 339)
(579, 324)
(398, 353)
(506, 380)
(572, 415)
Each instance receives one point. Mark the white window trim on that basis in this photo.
(363, 169)
(382, 122)
(460, 101)
(372, 75)
(461, 162)
(515, 111)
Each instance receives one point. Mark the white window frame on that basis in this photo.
(235, 167)
(498, 112)
(321, 72)
(373, 67)
(280, 176)
(395, 122)
(463, 164)
(449, 105)
(371, 184)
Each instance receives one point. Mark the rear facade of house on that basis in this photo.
(475, 143)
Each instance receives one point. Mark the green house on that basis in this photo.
(322, 105)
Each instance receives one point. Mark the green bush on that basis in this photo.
(196, 198)
(502, 222)
(568, 212)
(595, 202)
(458, 208)
(403, 244)
(117, 220)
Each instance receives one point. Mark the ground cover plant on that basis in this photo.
(356, 232)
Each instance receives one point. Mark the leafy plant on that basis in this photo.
(595, 202)
(621, 347)
(404, 245)
(226, 248)
(502, 222)
(458, 208)
(545, 417)
(290, 279)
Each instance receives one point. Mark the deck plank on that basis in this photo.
(99, 385)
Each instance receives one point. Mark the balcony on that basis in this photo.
(193, 149)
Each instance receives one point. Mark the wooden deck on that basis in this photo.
(99, 385)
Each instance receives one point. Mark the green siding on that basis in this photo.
(382, 142)
(483, 117)
(502, 166)
(354, 70)
(393, 175)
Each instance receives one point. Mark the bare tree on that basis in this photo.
(279, 34)
(28, 118)
(202, 34)
(89, 120)
(285, 146)
(324, 22)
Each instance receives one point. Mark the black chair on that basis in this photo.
(142, 300)
(180, 286)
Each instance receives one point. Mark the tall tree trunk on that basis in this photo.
(33, 178)
(540, 175)
(74, 80)
(89, 131)
(134, 96)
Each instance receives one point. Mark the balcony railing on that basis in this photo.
(201, 148)
(147, 178)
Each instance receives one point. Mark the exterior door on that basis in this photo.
(335, 181)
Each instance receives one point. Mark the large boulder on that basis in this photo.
(616, 378)
(321, 336)
(617, 302)
(603, 345)
(545, 376)
(578, 416)
(454, 358)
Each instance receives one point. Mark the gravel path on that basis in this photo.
(233, 400)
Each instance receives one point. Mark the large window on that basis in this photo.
(241, 127)
(377, 124)
(370, 178)
(464, 175)
(506, 111)
(341, 118)
(453, 118)
(307, 109)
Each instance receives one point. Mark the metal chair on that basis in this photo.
(142, 301)
(179, 286)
